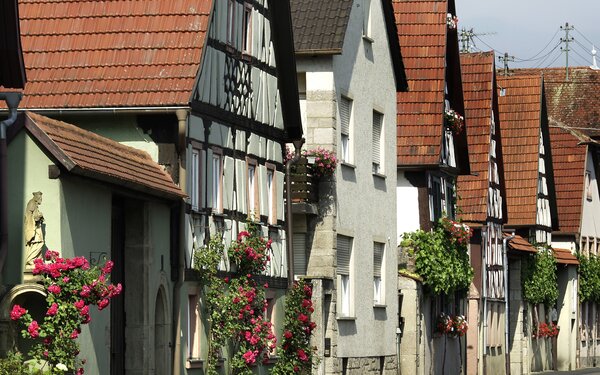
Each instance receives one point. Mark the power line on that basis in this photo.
(548, 55)
(566, 41)
(542, 50)
(556, 58)
(579, 32)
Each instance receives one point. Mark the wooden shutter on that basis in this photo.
(377, 258)
(299, 249)
(345, 108)
(377, 122)
(344, 248)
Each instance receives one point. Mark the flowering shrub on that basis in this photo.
(539, 281)
(546, 330)
(454, 121)
(460, 232)
(296, 353)
(72, 286)
(452, 325)
(451, 21)
(325, 161)
(250, 252)
(441, 259)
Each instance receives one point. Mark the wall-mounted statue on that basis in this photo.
(33, 229)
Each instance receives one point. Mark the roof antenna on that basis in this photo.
(594, 66)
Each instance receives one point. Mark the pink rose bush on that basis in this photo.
(250, 252)
(72, 286)
(296, 354)
(325, 161)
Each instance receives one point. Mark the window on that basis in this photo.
(367, 18)
(194, 325)
(230, 21)
(252, 189)
(344, 252)
(217, 182)
(588, 187)
(247, 29)
(435, 198)
(270, 316)
(299, 249)
(345, 112)
(377, 123)
(195, 179)
(378, 249)
(449, 197)
(271, 195)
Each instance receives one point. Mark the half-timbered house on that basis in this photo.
(208, 89)
(430, 154)
(482, 206)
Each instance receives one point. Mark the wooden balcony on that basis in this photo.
(304, 189)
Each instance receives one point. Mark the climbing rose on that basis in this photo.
(17, 312)
(52, 310)
(33, 329)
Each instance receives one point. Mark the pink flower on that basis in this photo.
(66, 279)
(79, 371)
(287, 334)
(45, 353)
(302, 355)
(54, 289)
(108, 266)
(102, 304)
(79, 304)
(85, 291)
(52, 310)
(243, 234)
(249, 357)
(85, 310)
(17, 312)
(51, 254)
(303, 318)
(33, 329)
(74, 334)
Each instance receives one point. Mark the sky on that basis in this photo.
(529, 29)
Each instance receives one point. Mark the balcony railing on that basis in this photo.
(303, 186)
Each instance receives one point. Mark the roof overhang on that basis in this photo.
(564, 256)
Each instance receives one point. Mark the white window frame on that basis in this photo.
(252, 186)
(194, 329)
(195, 184)
(344, 273)
(247, 29)
(376, 143)
(271, 194)
(588, 185)
(367, 22)
(378, 273)
(346, 128)
(217, 181)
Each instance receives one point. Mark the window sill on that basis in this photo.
(219, 215)
(346, 318)
(194, 363)
(379, 306)
(347, 165)
(275, 226)
(379, 175)
(368, 39)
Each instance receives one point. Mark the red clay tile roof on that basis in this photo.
(423, 35)
(520, 244)
(520, 115)
(85, 153)
(111, 53)
(478, 85)
(573, 102)
(320, 26)
(564, 256)
(568, 161)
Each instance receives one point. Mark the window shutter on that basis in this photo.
(377, 122)
(344, 247)
(345, 108)
(377, 258)
(299, 248)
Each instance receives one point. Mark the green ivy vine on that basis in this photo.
(540, 284)
(589, 278)
(441, 259)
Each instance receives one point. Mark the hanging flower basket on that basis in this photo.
(454, 121)
(451, 21)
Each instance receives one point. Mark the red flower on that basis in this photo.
(17, 312)
(303, 318)
(302, 355)
(249, 357)
(103, 303)
(74, 334)
(85, 291)
(79, 304)
(287, 334)
(79, 371)
(33, 329)
(54, 289)
(52, 310)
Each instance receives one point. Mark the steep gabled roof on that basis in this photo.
(479, 86)
(569, 150)
(520, 107)
(87, 154)
(320, 28)
(572, 102)
(427, 46)
(112, 53)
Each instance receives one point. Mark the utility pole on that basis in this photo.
(566, 41)
(505, 59)
(466, 39)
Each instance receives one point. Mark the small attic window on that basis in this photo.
(588, 186)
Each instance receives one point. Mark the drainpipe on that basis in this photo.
(484, 296)
(506, 316)
(12, 100)
(288, 207)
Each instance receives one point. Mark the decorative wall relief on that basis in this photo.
(33, 230)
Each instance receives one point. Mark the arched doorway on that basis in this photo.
(161, 334)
